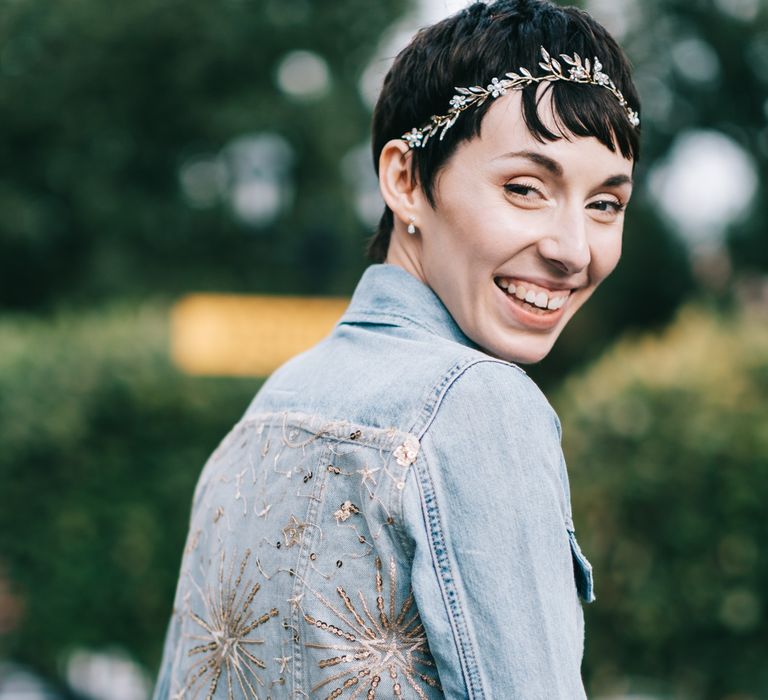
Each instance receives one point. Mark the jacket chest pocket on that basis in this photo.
(582, 570)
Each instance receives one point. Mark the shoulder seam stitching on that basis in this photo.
(442, 388)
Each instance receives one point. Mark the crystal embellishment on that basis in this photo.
(578, 71)
(406, 454)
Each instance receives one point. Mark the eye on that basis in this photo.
(607, 209)
(523, 190)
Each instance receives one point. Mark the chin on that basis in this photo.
(530, 358)
(520, 353)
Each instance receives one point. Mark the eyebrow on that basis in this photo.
(616, 181)
(545, 162)
(553, 167)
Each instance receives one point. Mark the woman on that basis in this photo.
(391, 517)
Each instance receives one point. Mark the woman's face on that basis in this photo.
(522, 232)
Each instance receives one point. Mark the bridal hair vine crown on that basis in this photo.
(577, 71)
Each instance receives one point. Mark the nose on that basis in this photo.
(566, 245)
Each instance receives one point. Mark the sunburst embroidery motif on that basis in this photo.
(371, 648)
(224, 640)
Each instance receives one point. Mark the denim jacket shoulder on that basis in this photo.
(390, 519)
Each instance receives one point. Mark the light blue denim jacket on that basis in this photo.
(390, 519)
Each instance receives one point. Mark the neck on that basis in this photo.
(405, 252)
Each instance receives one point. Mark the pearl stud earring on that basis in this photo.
(411, 225)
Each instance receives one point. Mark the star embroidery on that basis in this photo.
(223, 636)
(283, 661)
(295, 600)
(365, 650)
(367, 474)
(293, 531)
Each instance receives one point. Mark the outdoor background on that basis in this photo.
(152, 148)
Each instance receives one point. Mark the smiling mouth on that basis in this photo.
(531, 297)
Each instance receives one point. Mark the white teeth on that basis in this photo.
(540, 299)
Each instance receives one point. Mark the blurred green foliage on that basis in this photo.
(667, 441)
(102, 442)
(103, 103)
(703, 64)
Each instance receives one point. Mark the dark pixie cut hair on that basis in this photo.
(487, 40)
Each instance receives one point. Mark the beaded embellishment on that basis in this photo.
(576, 71)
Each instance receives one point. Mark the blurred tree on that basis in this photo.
(141, 142)
(704, 65)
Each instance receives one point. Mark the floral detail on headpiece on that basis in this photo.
(577, 71)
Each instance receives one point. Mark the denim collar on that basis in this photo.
(388, 295)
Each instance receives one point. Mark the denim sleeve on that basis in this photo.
(486, 511)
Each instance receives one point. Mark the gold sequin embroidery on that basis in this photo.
(225, 640)
(371, 647)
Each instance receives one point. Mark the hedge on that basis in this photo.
(101, 443)
(667, 441)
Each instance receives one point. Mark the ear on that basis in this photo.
(399, 188)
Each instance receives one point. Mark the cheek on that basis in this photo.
(454, 244)
(605, 257)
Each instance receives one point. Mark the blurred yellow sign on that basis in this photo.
(224, 334)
